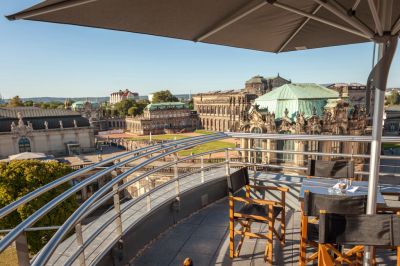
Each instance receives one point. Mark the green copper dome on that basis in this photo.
(296, 97)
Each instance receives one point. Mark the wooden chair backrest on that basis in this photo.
(237, 180)
(332, 169)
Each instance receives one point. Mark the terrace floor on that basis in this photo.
(204, 237)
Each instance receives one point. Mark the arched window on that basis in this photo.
(24, 145)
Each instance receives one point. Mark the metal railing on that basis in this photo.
(6, 241)
(113, 188)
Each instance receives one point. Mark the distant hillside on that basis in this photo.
(62, 99)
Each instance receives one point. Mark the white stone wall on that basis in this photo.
(50, 141)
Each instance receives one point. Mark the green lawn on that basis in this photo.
(161, 137)
(204, 132)
(207, 147)
(391, 145)
(198, 149)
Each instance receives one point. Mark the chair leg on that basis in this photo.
(303, 241)
(268, 255)
(231, 230)
(283, 228)
(246, 228)
(323, 257)
(283, 218)
(398, 256)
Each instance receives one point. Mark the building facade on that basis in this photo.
(356, 92)
(335, 116)
(223, 110)
(50, 131)
(160, 118)
(259, 85)
(121, 95)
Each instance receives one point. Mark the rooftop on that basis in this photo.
(166, 105)
(12, 112)
(296, 97)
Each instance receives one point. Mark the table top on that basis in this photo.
(321, 186)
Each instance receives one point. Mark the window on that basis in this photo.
(24, 145)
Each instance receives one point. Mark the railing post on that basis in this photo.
(21, 245)
(148, 202)
(176, 174)
(117, 208)
(202, 168)
(79, 240)
(227, 166)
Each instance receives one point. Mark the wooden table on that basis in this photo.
(321, 186)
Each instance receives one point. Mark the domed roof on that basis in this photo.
(296, 97)
(81, 104)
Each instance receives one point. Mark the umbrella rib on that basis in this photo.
(229, 22)
(49, 9)
(298, 29)
(396, 27)
(375, 16)
(322, 20)
(355, 5)
(339, 11)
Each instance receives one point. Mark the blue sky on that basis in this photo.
(43, 59)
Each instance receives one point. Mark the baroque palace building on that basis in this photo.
(223, 110)
(160, 118)
(51, 131)
(302, 109)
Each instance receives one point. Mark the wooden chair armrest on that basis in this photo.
(284, 189)
(386, 209)
(256, 201)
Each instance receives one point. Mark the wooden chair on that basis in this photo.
(379, 230)
(254, 210)
(332, 169)
(312, 205)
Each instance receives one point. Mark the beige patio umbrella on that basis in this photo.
(273, 26)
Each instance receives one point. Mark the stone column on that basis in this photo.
(243, 145)
(264, 156)
(299, 158)
(271, 156)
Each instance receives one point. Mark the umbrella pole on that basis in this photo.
(377, 127)
(380, 80)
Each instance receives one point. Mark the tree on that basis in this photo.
(393, 98)
(164, 96)
(15, 102)
(132, 110)
(123, 106)
(28, 103)
(20, 177)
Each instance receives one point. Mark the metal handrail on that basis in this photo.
(36, 193)
(100, 197)
(20, 228)
(343, 138)
(50, 247)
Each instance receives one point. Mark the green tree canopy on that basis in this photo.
(123, 106)
(15, 102)
(133, 110)
(18, 178)
(393, 98)
(28, 103)
(163, 96)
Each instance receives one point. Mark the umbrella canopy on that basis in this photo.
(273, 26)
